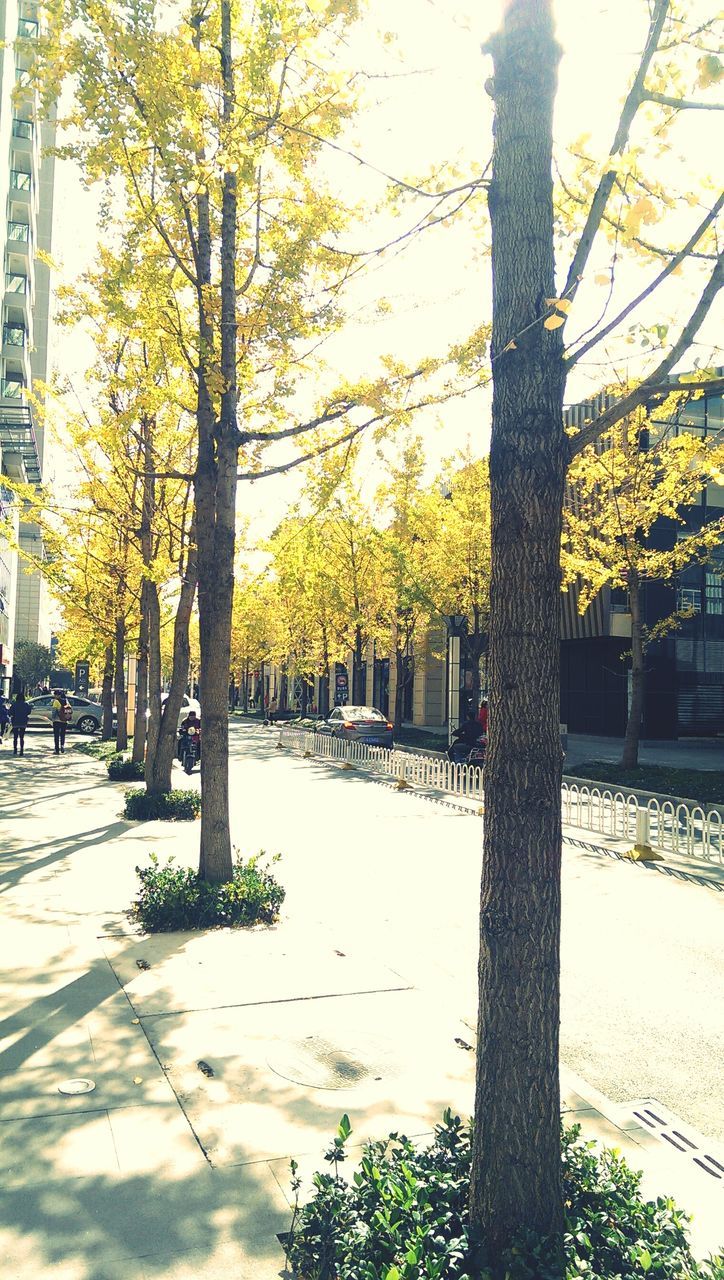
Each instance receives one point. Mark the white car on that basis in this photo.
(187, 704)
(87, 715)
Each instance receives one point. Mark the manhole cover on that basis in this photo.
(73, 1087)
(319, 1064)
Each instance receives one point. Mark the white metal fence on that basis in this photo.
(672, 827)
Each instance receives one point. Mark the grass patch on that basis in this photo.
(172, 897)
(122, 769)
(405, 1216)
(691, 784)
(97, 749)
(169, 806)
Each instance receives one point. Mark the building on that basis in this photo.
(26, 196)
(684, 669)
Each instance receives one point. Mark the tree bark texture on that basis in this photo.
(630, 757)
(120, 663)
(140, 720)
(216, 509)
(107, 694)
(515, 1178)
(153, 722)
(159, 762)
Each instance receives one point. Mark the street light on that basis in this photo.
(456, 627)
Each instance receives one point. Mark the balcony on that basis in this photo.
(23, 137)
(16, 351)
(20, 196)
(18, 444)
(19, 247)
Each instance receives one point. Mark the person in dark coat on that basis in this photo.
(19, 716)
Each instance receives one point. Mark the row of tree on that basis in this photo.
(211, 127)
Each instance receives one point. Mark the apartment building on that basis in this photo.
(26, 197)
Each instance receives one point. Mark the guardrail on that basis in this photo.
(668, 826)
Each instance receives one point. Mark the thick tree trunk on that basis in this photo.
(216, 509)
(120, 662)
(515, 1183)
(630, 757)
(140, 720)
(159, 763)
(107, 694)
(400, 689)
(358, 695)
(153, 721)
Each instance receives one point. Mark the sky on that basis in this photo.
(426, 106)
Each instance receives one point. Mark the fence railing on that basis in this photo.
(672, 827)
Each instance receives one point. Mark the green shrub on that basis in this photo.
(121, 769)
(405, 1215)
(171, 806)
(173, 897)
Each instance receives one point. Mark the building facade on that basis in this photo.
(685, 668)
(26, 197)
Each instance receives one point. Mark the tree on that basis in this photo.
(32, 663)
(213, 124)
(640, 475)
(515, 1179)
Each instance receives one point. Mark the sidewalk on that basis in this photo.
(164, 1172)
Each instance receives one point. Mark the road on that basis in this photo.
(642, 955)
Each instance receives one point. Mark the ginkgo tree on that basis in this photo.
(640, 476)
(212, 119)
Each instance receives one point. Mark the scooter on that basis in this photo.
(462, 752)
(190, 748)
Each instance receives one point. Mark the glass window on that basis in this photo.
(27, 28)
(12, 388)
(22, 128)
(16, 283)
(714, 592)
(19, 180)
(14, 335)
(19, 231)
(688, 598)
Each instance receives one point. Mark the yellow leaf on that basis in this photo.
(135, 1021)
(510, 347)
(138, 1079)
(554, 322)
(602, 278)
(561, 304)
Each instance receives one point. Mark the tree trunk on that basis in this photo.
(107, 695)
(515, 1176)
(216, 484)
(159, 763)
(400, 689)
(630, 757)
(120, 660)
(140, 719)
(358, 697)
(153, 721)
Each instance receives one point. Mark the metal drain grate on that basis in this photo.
(671, 1130)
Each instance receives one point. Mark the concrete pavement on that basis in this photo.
(356, 1002)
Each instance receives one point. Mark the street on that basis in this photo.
(398, 875)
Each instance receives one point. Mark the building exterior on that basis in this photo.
(684, 669)
(26, 202)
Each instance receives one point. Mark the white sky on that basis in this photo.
(432, 110)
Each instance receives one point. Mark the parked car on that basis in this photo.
(87, 716)
(357, 724)
(187, 704)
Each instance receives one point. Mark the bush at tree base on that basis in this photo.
(172, 897)
(404, 1216)
(122, 769)
(170, 806)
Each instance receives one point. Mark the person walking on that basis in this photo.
(19, 716)
(61, 714)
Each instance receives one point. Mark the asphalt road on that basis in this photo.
(642, 954)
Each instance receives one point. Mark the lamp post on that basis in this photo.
(455, 628)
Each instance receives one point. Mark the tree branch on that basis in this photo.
(670, 266)
(684, 104)
(657, 387)
(636, 96)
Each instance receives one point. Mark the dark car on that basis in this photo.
(357, 724)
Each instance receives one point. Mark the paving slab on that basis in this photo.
(122, 1076)
(284, 1074)
(235, 967)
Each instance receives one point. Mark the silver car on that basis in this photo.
(358, 724)
(87, 716)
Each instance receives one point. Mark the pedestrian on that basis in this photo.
(61, 714)
(19, 716)
(273, 705)
(483, 716)
(4, 719)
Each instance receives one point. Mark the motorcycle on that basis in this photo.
(190, 748)
(462, 752)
